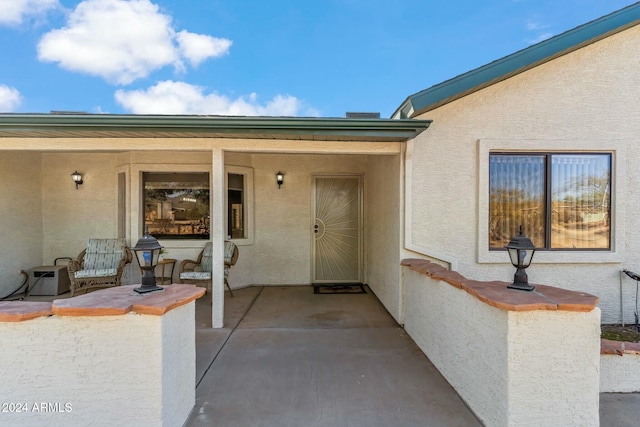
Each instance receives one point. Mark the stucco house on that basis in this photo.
(422, 181)
(545, 138)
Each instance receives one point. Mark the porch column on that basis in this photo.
(217, 236)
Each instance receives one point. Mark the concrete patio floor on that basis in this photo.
(287, 357)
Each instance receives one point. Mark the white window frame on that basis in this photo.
(248, 202)
(617, 151)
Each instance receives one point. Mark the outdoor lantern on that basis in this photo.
(147, 251)
(521, 252)
(77, 178)
(279, 178)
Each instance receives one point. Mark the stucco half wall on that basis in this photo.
(102, 359)
(516, 358)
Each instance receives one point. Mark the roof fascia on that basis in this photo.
(518, 62)
(341, 127)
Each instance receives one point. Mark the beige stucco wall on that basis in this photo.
(21, 227)
(131, 369)
(70, 217)
(587, 100)
(281, 253)
(620, 374)
(383, 227)
(511, 368)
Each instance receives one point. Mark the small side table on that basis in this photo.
(161, 279)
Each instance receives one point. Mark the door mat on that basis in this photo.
(342, 288)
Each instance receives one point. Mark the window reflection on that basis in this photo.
(562, 200)
(236, 202)
(516, 198)
(176, 205)
(580, 203)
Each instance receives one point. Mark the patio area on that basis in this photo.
(287, 357)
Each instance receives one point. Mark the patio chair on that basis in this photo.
(198, 272)
(100, 265)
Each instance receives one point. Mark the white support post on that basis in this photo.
(217, 236)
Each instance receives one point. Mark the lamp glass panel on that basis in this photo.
(144, 258)
(148, 258)
(513, 254)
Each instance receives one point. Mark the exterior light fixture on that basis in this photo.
(279, 178)
(521, 252)
(77, 178)
(147, 251)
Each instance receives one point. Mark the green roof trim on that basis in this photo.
(518, 62)
(81, 125)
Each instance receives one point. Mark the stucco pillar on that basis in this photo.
(217, 235)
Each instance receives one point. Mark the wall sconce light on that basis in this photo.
(279, 178)
(147, 252)
(77, 178)
(521, 252)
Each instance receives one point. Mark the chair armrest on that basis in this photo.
(78, 263)
(74, 265)
(126, 259)
(187, 265)
(128, 255)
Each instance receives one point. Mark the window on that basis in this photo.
(239, 204)
(563, 201)
(176, 205)
(236, 206)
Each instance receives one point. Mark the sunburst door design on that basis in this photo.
(336, 230)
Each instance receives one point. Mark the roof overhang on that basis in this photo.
(166, 126)
(518, 62)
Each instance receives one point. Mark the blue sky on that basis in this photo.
(258, 57)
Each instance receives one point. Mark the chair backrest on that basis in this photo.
(103, 253)
(230, 255)
(230, 252)
(206, 263)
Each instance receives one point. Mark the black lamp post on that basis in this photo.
(279, 178)
(147, 252)
(521, 252)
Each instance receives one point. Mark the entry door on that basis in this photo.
(337, 234)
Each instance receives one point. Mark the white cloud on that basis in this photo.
(198, 47)
(540, 37)
(10, 99)
(13, 12)
(124, 40)
(535, 26)
(170, 97)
